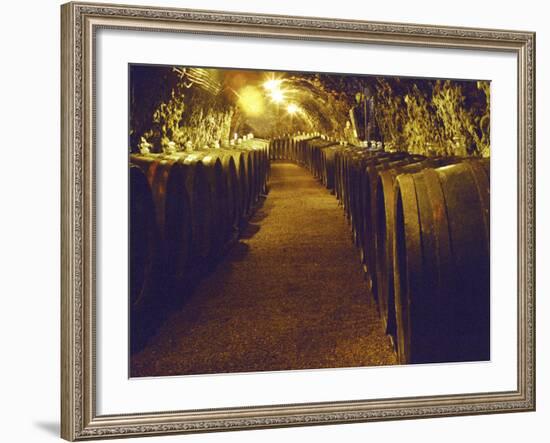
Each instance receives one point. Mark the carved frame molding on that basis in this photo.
(80, 21)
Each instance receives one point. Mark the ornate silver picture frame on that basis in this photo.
(80, 22)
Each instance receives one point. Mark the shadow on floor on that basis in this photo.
(175, 294)
(49, 427)
(250, 231)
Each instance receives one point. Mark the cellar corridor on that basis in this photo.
(290, 295)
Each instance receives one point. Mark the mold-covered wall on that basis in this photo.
(439, 117)
(171, 107)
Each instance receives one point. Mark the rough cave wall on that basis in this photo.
(434, 117)
(208, 120)
(166, 107)
(424, 116)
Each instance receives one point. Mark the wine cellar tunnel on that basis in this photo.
(284, 221)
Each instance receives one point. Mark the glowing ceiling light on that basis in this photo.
(277, 95)
(292, 109)
(273, 84)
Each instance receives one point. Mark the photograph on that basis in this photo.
(289, 220)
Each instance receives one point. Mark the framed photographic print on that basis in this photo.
(282, 221)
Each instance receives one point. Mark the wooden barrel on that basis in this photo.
(357, 190)
(218, 194)
(368, 225)
(144, 161)
(339, 157)
(276, 148)
(257, 174)
(302, 150)
(339, 174)
(315, 162)
(292, 147)
(143, 237)
(257, 170)
(285, 149)
(249, 182)
(232, 210)
(328, 160)
(349, 157)
(384, 214)
(202, 205)
(298, 146)
(265, 172)
(272, 149)
(167, 179)
(441, 264)
(250, 179)
(242, 172)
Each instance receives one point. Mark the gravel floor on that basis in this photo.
(289, 295)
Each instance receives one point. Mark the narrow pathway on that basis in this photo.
(290, 295)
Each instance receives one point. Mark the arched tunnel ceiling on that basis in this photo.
(205, 106)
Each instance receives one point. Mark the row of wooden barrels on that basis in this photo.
(422, 227)
(186, 208)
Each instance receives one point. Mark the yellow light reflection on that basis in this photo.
(251, 101)
(273, 84)
(277, 95)
(292, 109)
